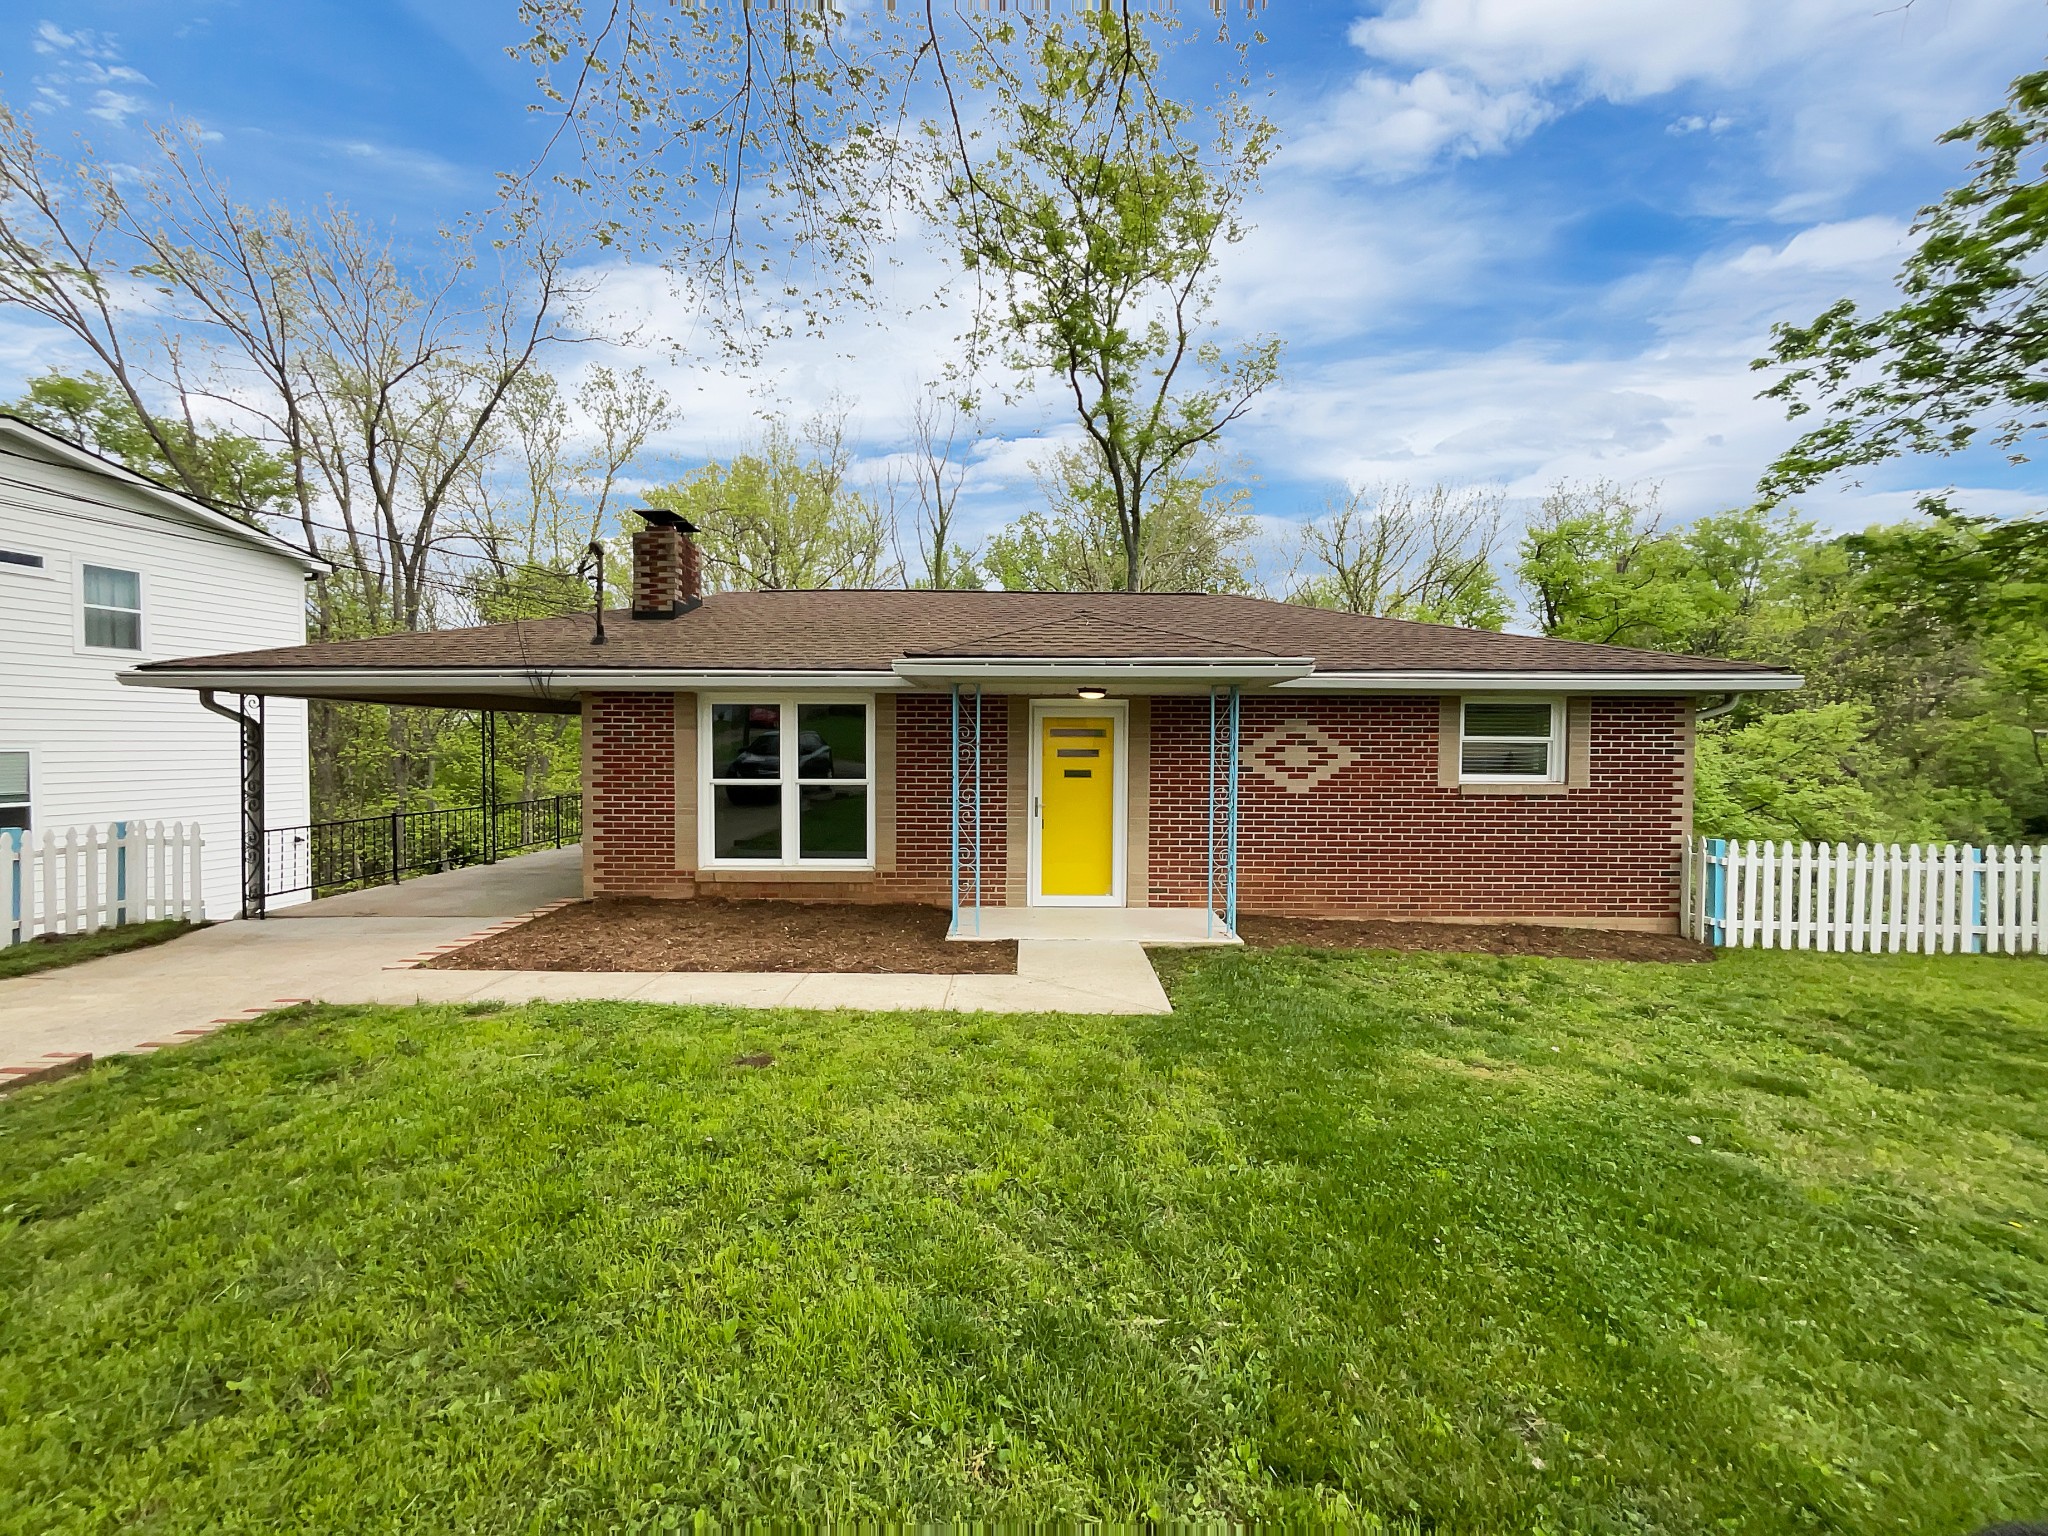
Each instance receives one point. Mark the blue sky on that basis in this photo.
(1506, 241)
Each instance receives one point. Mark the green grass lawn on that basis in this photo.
(1453, 1243)
(48, 955)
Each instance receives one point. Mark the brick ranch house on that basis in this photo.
(1076, 749)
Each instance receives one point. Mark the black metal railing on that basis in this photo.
(326, 857)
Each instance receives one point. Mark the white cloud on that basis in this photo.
(1842, 88)
(86, 60)
(1318, 266)
(1680, 409)
(1623, 49)
(411, 164)
(1390, 127)
(115, 106)
(51, 40)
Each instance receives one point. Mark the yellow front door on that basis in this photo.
(1077, 781)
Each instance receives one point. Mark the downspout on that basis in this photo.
(1726, 707)
(252, 799)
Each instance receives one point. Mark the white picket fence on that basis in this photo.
(1942, 898)
(86, 878)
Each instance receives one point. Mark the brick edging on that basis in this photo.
(505, 926)
(55, 1064)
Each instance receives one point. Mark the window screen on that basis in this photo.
(113, 609)
(1509, 739)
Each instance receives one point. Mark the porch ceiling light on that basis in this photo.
(1092, 693)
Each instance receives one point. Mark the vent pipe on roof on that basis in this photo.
(667, 576)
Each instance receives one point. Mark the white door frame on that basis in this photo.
(1119, 713)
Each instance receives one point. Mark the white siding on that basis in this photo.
(104, 752)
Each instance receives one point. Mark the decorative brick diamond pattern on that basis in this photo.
(1296, 756)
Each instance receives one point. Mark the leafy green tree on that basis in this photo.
(1098, 222)
(1966, 349)
(1916, 721)
(1197, 537)
(226, 469)
(1962, 357)
(782, 516)
(1598, 566)
(1801, 774)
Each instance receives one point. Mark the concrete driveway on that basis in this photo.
(336, 949)
(352, 949)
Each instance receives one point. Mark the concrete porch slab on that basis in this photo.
(1116, 925)
(505, 889)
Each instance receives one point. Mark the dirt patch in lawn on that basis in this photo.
(1463, 938)
(631, 934)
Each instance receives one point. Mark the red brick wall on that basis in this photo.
(1381, 838)
(924, 799)
(629, 795)
(630, 806)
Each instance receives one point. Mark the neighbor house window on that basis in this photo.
(786, 781)
(113, 609)
(1511, 740)
(14, 790)
(20, 560)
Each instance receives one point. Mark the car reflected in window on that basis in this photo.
(761, 758)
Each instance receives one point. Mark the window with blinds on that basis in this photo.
(14, 791)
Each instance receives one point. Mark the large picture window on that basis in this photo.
(1511, 741)
(113, 609)
(786, 781)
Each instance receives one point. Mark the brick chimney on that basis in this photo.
(667, 579)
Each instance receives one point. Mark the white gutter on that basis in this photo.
(1544, 682)
(1283, 675)
(539, 682)
(1107, 669)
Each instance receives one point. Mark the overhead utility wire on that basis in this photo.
(376, 538)
(436, 583)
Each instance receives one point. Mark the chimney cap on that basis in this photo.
(661, 517)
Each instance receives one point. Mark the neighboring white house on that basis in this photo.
(101, 568)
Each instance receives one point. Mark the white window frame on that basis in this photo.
(25, 572)
(792, 787)
(33, 780)
(141, 611)
(1555, 757)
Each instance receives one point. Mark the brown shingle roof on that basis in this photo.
(867, 631)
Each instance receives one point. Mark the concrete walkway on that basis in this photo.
(355, 948)
(1134, 925)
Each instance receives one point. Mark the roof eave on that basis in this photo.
(1474, 681)
(213, 521)
(516, 687)
(1122, 671)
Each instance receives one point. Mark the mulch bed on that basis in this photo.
(1481, 938)
(628, 934)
